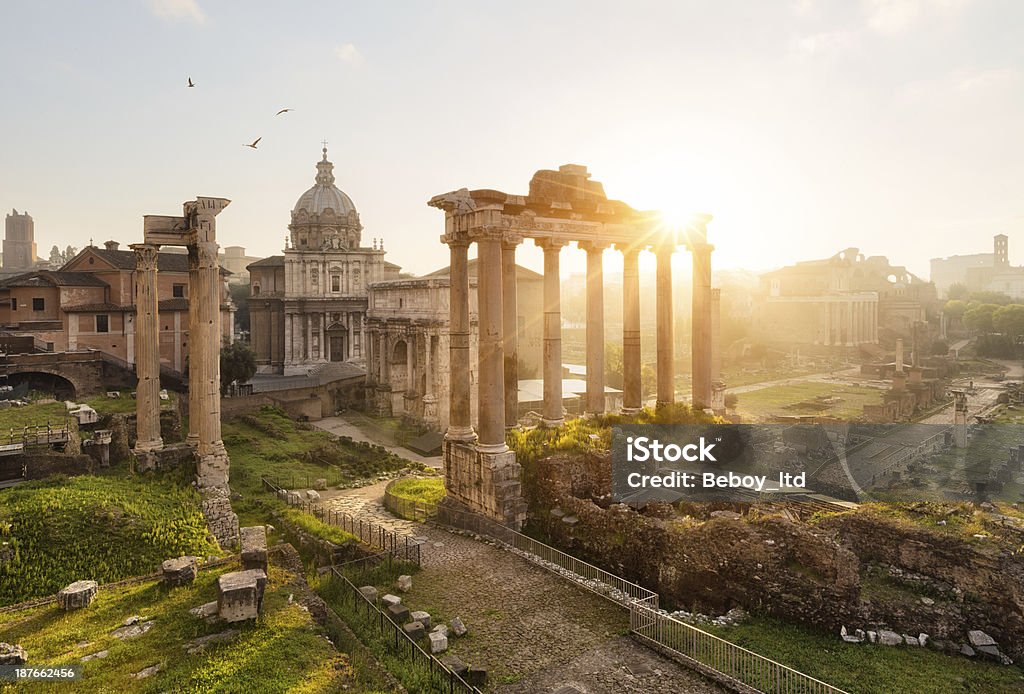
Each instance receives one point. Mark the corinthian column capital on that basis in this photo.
(146, 255)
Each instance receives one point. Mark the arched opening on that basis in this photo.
(57, 387)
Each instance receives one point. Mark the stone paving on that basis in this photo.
(533, 631)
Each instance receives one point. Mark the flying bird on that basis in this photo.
(254, 142)
(284, 110)
(190, 82)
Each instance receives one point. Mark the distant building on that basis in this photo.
(19, 250)
(945, 272)
(308, 306)
(89, 304)
(847, 300)
(235, 261)
(982, 272)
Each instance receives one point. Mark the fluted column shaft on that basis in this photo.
(196, 365)
(631, 397)
(460, 426)
(552, 415)
(665, 352)
(701, 325)
(510, 326)
(147, 349)
(491, 394)
(208, 300)
(595, 327)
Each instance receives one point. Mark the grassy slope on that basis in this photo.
(282, 652)
(101, 528)
(779, 400)
(428, 490)
(870, 669)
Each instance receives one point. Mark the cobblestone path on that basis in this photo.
(533, 631)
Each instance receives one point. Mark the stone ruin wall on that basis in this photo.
(810, 573)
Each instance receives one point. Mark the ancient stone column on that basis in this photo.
(716, 336)
(665, 319)
(430, 419)
(491, 388)
(552, 415)
(459, 418)
(147, 349)
(631, 396)
(595, 326)
(208, 300)
(510, 327)
(701, 325)
(196, 365)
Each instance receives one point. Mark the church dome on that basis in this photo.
(324, 195)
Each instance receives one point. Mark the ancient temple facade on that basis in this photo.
(308, 306)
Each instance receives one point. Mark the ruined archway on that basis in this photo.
(55, 385)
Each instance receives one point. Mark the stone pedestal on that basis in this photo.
(431, 418)
(485, 483)
(179, 572)
(254, 547)
(240, 595)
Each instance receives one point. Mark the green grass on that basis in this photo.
(314, 526)
(867, 668)
(807, 399)
(283, 651)
(18, 418)
(427, 490)
(99, 528)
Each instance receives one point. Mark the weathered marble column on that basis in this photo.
(208, 300)
(430, 419)
(459, 417)
(665, 319)
(701, 325)
(147, 349)
(196, 366)
(595, 326)
(491, 388)
(552, 415)
(510, 327)
(631, 396)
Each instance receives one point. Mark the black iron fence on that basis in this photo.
(371, 621)
(399, 546)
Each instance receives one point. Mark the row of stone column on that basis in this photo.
(298, 337)
(497, 321)
(849, 322)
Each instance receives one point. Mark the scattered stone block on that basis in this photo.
(911, 640)
(476, 676)
(12, 654)
(458, 628)
(205, 611)
(729, 515)
(320, 484)
(399, 614)
(414, 630)
(147, 672)
(455, 664)
(313, 495)
(390, 600)
(980, 638)
(441, 629)
(179, 572)
(404, 584)
(77, 595)
(199, 645)
(254, 547)
(94, 656)
(421, 617)
(927, 601)
(922, 639)
(369, 592)
(873, 636)
(990, 652)
(240, 594)
(130, 631)
(889, 638)
(438, 642)
(967, 650)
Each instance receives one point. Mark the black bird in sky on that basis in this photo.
(190, 82)
(284, 110)
(254, 142)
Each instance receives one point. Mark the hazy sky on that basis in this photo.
(896, 126)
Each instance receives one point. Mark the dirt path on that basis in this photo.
(533, 631)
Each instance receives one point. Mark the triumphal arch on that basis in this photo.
(196, 230)
(562, 207)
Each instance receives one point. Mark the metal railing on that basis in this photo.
(369, 533)
(368, 615)
(409, 509)
(722, 660)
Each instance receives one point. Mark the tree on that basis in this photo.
(56, 257)
(997, 298)
(613, 365)
(957, 290)
(240, 296)
(954, 310)
(237, 364)
(1009, 320)
(978, 317)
